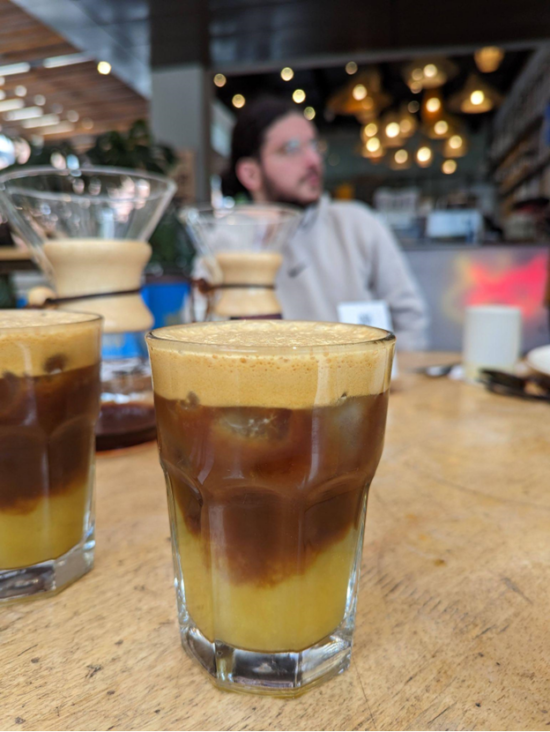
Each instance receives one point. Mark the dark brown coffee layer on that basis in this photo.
(269, 489)
(46, 433)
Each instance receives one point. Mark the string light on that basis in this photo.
(104, 67)
(238, 101)
(351, 68)
(441, 127)
(359, 92)
(309, 113)
(298, 96)
(413, 106)
(287, 74)
(401, 157)
(220, 80)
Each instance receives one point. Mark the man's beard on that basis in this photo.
(275, 195)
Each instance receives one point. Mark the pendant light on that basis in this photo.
(476, 97)
(488, 59)
(424, 156)
(456, 146)
(432, 106)
(428, 73)
(400, 159)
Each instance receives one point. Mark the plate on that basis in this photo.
(539, 360)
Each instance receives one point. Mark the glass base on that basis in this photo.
(48, 577)
(287, 674)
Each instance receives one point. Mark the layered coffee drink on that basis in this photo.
(49, 402)
(270, 433)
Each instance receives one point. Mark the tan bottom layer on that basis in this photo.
(288, 616)
(54, 526)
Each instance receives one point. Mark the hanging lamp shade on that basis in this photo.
(432, 106)
(488, 59)
(371, 129)
(408, 123)
(441, 129)
(428, 73)
(476, 97)
(424, 156)
(390, 125)
(456, 146)
(373, 149)
(361, 97)
(400, 159)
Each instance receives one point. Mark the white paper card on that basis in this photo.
(371, 312)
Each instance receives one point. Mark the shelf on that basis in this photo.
(538, 168)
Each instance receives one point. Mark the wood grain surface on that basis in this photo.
(106, 101)
(452, 628)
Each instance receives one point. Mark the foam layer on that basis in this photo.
(38, 342)
(294, 365)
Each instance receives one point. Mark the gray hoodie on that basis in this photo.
(342, 252)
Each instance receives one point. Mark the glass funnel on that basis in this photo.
(87, 229)
(241, 252)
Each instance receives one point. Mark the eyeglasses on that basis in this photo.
(294, 147)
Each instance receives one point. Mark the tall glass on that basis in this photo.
(270, 433)
(49, 402)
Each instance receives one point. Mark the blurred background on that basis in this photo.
(435, 114)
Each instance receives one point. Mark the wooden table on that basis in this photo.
(452, 630)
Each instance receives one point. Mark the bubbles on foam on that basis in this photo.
(271, 333)
(38, 318)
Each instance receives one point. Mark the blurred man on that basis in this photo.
(341, 251)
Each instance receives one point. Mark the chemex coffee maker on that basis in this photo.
(87, 229)
(242, 250)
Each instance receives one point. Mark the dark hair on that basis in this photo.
(249, 135)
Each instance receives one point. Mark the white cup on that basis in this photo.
(492, 338)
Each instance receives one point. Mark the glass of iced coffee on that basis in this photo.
(49, 403)
(270, 433)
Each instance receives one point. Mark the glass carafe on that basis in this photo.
(242, 250)
(87, 229)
